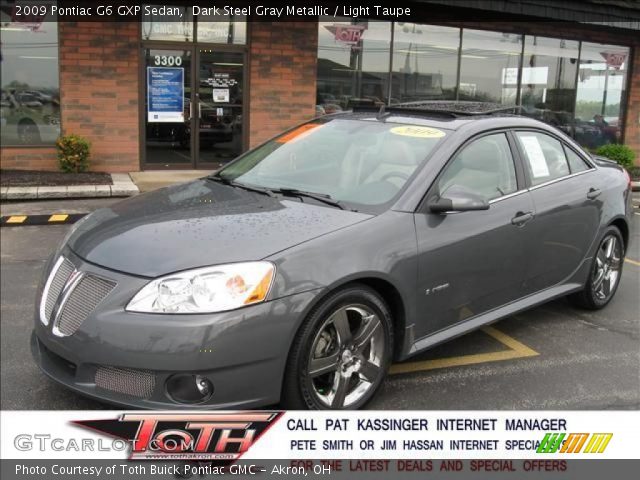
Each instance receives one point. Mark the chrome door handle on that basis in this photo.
(521, 218)
(593, 193)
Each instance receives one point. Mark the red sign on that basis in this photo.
(349, 34)
(614, 60)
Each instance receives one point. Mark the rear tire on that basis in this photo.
(342, 352)
(604, 274)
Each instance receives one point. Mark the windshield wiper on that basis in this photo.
(231, 183)
(324, 198)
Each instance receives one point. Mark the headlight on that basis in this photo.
(206, 290)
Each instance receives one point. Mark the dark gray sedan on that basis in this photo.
(299, 272)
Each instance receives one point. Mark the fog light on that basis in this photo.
(189, 388)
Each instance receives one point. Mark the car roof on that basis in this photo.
(446, 114)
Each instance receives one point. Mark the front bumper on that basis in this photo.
(242, 352)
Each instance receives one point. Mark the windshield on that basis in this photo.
(352, 161)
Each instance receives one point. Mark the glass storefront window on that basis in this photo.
(177, 28)
(353, 64)
(601, 83)
(576, 86)
(425, 62)
(548, 84)
(30, 98)
(487, 63)
(222, 29)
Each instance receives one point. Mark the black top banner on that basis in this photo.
(300, 10)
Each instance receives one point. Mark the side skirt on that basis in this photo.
(492, 316)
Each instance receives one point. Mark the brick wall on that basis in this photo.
(632, 126)
(98, 97)
(99, 90)
(282, 75)
(24, 158)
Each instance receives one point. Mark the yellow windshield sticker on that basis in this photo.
(417, 131)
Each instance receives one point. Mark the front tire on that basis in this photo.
(342, 352)
(605, 273)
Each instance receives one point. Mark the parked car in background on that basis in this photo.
(29, 118)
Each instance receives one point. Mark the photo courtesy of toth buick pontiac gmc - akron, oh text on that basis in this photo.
(297, 273)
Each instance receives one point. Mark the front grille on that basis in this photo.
(137, 383)
(60, 277)
(86, 296)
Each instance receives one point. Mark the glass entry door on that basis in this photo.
(168, 115)
(219, 94)
(193, 116)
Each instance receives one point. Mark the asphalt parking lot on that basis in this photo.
(551, 357)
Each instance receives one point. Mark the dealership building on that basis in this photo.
(194, 91)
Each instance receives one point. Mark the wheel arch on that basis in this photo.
(621, 224)
(383, 287)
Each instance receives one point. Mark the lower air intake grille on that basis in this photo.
(83, 299)
(137, 383)
(60, 277)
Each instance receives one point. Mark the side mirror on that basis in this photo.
(457, 199)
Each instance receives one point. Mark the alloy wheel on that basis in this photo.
(347, 356)
(607, 270)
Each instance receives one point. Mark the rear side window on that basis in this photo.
(544, 157)
(484, 167)
(576, 162)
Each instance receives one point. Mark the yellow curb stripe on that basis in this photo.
(516, 350)
(632, 262)
(17, 219)
(58, 217)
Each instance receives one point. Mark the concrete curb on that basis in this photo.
(635, 186)
(122, 187)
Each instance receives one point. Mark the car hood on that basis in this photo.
(199, 223)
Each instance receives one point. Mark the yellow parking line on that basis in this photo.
(510, 342)
(17, 219)
(515, 350)
(58, 217)
(632, 262)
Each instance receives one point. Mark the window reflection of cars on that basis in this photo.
(331, 108)
(217, 122)
(29, 117)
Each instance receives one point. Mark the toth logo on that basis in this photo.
(574, 443)
(194, 436)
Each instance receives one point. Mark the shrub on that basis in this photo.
(634, 172)
(621, 154)
(73, 153)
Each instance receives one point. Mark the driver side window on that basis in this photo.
(484, 167)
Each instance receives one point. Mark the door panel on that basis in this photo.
(567, 213)
(220, 100)
(470, 262)
(167, 108)
(564, 228)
